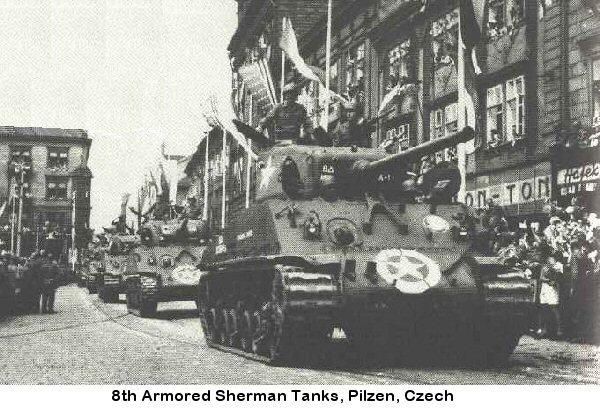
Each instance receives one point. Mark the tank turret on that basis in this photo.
(300, 171)
(357, 239)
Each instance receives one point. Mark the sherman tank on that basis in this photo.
(113, 280)
(349, 238)
(163, 267)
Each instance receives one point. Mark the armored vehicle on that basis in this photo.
(163, 267)
(113, 280)
(350, 238)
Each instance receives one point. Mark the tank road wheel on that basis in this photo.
(257, 337)
(215, 322)
(246, 329)
(229, 336)
(275, 333)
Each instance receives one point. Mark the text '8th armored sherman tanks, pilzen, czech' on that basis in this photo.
(336, 238)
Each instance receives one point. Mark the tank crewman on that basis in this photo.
(289, 120)
(50, 283)
(350, 129)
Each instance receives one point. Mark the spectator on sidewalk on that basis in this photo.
(549, 315)
(50, 277)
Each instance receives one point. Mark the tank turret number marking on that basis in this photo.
(410, 271)
(382, 178)
(327, 169)
(244, 235)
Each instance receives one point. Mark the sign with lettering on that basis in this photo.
(584, 178)
(511, 193)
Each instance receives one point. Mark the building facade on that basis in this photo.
(537, 59)
(45, 182)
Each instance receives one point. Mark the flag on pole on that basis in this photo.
(471, 16)
(289, 44)
(470, 31)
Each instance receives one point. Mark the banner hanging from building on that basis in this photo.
(256, 80)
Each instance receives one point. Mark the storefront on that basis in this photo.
(576, 174)
(522, 192)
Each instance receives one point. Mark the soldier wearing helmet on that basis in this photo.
(288, 120)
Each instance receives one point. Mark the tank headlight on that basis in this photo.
(343, 232)
(312, 226)
(151, 260)
(167, 262)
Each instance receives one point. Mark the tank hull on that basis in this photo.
(400, 283)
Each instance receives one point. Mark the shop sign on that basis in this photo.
(583, 178)
(511, 193)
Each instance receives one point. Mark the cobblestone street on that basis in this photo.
(87, 342)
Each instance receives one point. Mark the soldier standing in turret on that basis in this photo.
(289, 120)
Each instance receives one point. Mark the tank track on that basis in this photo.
(295, 314)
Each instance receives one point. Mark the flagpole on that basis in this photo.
(205, 211)
(462, 115)
(12, 221)
(73, 215)
(224, 171)
(282, 64)
(248, 172)
(327, 66)
(20, 219)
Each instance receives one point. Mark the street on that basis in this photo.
(88, 342)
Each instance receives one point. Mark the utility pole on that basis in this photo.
(21, 169)
(73, 214)
(12, 221)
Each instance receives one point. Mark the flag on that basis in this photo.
(472, 13)
(164, 185)
(400, 88)
(289, 44)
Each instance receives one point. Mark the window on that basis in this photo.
(506, 111)
(355, 70)
(20, 155)
(443, 122)
(396, 138)
(444, 43)
(56, 188)
(58, 159)
(504, 16)
(398, 64)
(596, 92)
(515, 108)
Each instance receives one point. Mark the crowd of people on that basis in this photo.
(28, 285)
(563, 258)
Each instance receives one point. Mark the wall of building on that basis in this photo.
(39, 208)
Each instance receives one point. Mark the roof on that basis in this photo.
(39, 133)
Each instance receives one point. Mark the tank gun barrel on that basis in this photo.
(415, 153)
